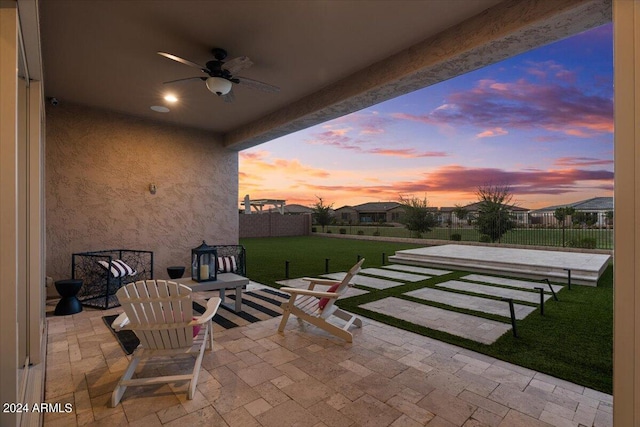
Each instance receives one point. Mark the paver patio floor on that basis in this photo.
(305, 377)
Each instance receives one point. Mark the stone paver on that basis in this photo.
(485, 305)
(370, 282)
(514, 283)
(299, 283)
(397, 275)
(463, 325)
(493, 291)
(416, 269)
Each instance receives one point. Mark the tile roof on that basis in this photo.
(593, 204)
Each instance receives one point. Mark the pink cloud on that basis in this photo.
(462, 183)
(492, 132)
(406, 152)
(524, 105)
(582, 161)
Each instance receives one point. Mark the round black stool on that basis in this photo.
(175, 272)
(68, 304)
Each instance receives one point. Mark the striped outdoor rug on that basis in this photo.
(257, 305)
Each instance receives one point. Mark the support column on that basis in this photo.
(626, 354)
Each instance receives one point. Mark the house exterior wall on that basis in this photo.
(395, 214)
(344, 215)
(99, 166)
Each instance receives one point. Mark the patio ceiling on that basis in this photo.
(328, 57)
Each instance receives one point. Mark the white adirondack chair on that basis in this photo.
(317, 307)
(161, 315)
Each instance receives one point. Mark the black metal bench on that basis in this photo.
(99, 283)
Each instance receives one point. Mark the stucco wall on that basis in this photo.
(98, 169)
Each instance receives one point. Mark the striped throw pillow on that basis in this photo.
(227, 264)
(118, 268)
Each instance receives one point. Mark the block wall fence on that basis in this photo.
(274, 225)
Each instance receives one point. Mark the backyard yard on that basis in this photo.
(572, 341)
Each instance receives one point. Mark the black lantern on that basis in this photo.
(203, 263)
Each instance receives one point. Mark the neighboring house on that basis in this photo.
(597, 211)
(520, 215)
(368, 213)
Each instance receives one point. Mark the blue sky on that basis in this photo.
(541, 122)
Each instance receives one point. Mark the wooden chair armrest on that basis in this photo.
(120, 322)
(319, 294)
(325, 282)
(212, 307)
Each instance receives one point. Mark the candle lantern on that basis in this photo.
(203, 263)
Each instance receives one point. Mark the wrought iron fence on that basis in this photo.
(593, 231)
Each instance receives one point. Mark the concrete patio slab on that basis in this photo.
(485, 305)
(397, 275)
(586, 268)
(463, 325)
(476, 288)
(299, 283)
(419, 270)
(524, 284)
(370, 282)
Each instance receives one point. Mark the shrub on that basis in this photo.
(328, 231)
(456, 236)
(485, 238)
(360, 232)
(313, 229)
(585, 243)
(376, 233)
(343, 231)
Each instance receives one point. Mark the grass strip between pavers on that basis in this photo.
(572, 341)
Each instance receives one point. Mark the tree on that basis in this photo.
(322, 213)
(561, 215)
(460, 212)
(494, 211)
(417, 216)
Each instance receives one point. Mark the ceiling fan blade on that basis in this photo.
(237, 64)
(255, 84)
(229, 97)
(185, 80)
(183, 61)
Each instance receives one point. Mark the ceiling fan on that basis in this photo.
(221, 74)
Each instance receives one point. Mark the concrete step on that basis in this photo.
(586, 268)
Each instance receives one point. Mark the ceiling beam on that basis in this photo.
(505, 30)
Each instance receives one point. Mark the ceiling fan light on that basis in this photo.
(218, 85)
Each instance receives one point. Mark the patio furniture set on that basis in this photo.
(160, 312)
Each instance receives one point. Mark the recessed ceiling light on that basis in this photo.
(170, 98)
(160, 108)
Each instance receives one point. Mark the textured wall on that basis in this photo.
(98, 169)
(274, 224)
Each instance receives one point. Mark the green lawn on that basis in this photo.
(573, 341)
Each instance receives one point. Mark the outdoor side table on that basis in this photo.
(175, 272)
(68, 304)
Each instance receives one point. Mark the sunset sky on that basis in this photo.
(541, 122)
